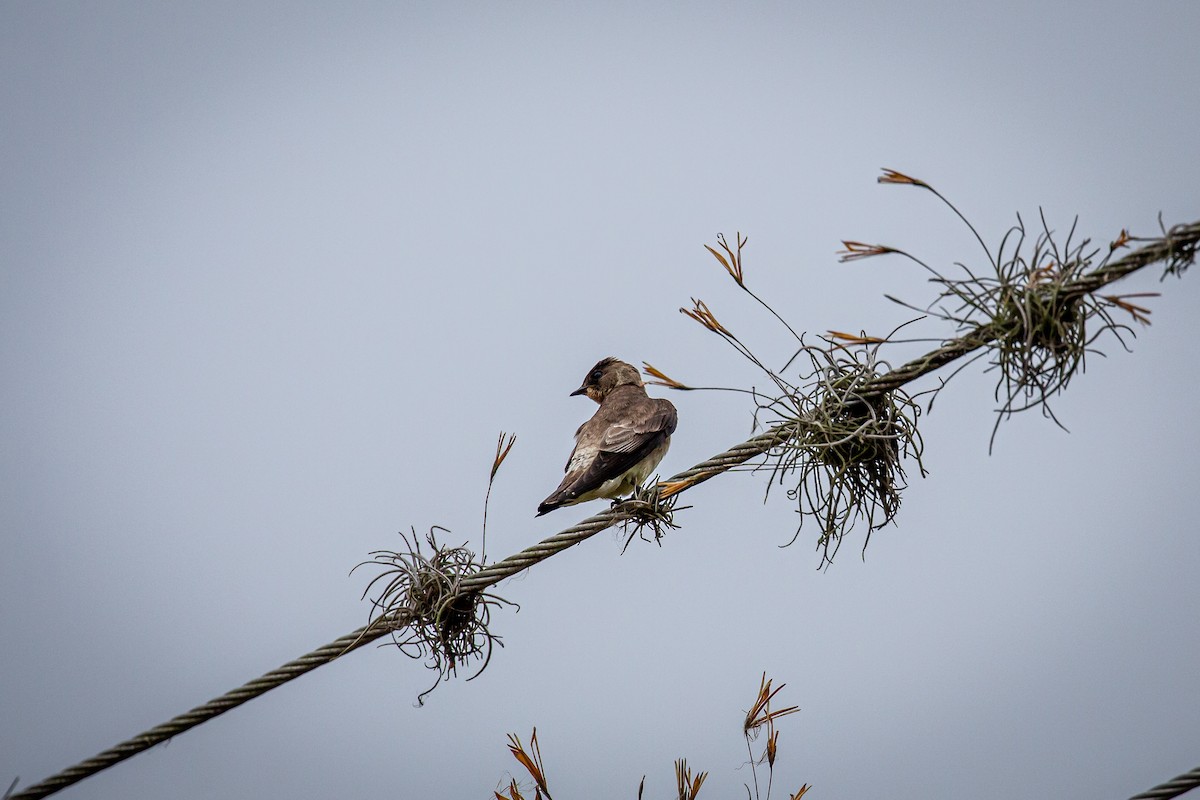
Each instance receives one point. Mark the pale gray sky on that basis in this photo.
(274, 276)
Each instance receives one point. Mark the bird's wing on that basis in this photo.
(645, 423)
(623, 444)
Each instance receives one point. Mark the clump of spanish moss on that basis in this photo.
(421, 603)
(845, 461)
(648, 513)
(842, 456)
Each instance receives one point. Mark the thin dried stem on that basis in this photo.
(503, 446)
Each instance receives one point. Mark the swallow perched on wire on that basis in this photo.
(621, 444)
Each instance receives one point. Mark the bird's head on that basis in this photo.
(608, 374)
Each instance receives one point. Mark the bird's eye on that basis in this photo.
(596, 375)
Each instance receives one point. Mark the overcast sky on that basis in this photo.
(273, 277)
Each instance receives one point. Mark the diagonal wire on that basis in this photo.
(199, 714)
(1178, 244)
(1172, 788)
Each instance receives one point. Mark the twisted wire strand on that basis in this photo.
(1172, 788)
(199, 714)
(1182, 239)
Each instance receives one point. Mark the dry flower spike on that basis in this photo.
(701, 314)
(687, 785)
(892, 176)
(732, 259)
(1122, 240)
(1139, 313)
(853, 338)
(532, 761)
(503, 446)
(663, 380)
(854, 251)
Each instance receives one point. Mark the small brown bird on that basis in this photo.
(621, 444)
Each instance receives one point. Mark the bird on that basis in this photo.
(621, 444)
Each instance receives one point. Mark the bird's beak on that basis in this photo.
(580, 390)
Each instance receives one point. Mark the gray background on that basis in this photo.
(273, 278)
